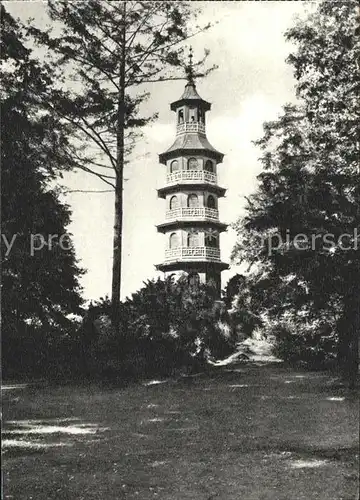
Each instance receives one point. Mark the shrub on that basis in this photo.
(165, 326)
(313, 345)
(37, 351)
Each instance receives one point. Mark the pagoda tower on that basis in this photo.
(192, 226)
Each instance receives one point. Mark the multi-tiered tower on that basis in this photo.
(192, 226)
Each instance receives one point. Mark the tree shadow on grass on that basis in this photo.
(343, 454)
(34, 436)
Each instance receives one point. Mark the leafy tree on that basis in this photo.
(40, 286)
(112, 49)
(301, 225)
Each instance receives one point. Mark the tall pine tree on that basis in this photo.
(113, 49)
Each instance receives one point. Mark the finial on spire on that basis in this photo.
(189, 68)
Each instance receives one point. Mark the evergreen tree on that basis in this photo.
(40, 286)
(301, 226)
(113, 49)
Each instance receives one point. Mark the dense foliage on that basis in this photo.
(300, 342)
(166, 326)
(301, 226)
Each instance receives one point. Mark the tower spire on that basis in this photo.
(189, 68)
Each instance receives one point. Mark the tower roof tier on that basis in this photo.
(190, 96)
(190, 266)
(190, 223)
(175, 188)
(191, 143)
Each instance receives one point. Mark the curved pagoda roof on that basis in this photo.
(190, 96)
(191, 143)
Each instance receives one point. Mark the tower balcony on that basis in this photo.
(192, 213)
(191, 177)
(190, 127)
(204, 254)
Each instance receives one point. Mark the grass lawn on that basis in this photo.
(244, 432)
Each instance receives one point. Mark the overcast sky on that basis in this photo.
(252, 84)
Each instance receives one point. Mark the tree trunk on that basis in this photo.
(118, 223)
(116, 269)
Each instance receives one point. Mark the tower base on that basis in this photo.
(206, 273)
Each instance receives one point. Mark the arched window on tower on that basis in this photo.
(174, 166)
(211, 202)
(181, 116)
(193, 201)
(193, 239)
(209, 166)
(173, 240)
(192, 115)
(212, 239)
(174, 202)
(192, 164)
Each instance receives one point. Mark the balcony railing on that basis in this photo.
(192, 213)
(183, 128)
(192, 253)
(190, 176)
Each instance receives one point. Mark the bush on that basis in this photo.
(166, 326)
(311, 345)
(36, 351)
